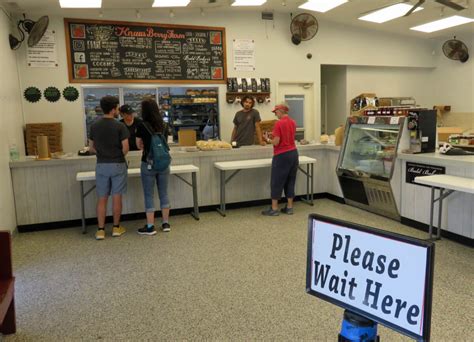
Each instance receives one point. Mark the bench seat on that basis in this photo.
(7, 286)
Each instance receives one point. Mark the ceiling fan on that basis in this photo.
(447, 3)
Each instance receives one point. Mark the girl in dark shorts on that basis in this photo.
(284, 162)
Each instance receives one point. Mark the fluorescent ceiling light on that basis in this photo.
(322, 5)
(442, 24)
(80, 3)
(248, 2)
(388, 13)
(171, 3)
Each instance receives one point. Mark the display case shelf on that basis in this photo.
(199, 104)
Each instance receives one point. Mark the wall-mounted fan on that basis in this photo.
(35, 29)
(303, 27)
(447, 3)
(456, 50)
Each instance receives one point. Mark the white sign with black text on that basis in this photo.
(244, 54)
(372, 273)
(44, 53)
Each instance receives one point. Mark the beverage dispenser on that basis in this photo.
(421, 124)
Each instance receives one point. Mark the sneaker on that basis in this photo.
(118, 231)
(286, 210)
(270, 212)
(100, 234)
(166, 227)
(146, 231)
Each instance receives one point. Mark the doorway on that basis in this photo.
(300, 99)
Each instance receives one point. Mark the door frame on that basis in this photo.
(310, 120)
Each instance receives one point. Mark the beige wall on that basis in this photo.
(276, 58)
(11, 122)
(454, 86)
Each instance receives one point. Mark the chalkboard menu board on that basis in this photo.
(129, 52)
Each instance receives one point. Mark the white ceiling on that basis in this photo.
(346, 14)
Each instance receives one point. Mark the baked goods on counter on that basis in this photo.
(211, 145)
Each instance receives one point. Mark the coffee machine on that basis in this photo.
(421, 124)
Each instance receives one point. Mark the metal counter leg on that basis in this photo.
(307, 183)
(195, 213)
(440, 211)
(312, 183)
(221, 210)
(83, 217)
(431, 212)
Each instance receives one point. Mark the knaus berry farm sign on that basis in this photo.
(383, 276)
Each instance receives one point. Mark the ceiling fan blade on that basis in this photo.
(451, 4)
(415, 6)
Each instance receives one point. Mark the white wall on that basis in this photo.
(391, 82)
(11, 123)
(455, 80)
(455, 86)
(335, 79)
(276, 58)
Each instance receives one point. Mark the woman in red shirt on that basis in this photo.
(284, 162)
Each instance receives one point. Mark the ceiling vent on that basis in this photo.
(267, 15)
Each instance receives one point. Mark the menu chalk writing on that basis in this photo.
(129, 52)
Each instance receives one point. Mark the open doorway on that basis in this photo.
(333, 97)
(300, 99)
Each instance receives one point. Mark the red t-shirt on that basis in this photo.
(285, 128)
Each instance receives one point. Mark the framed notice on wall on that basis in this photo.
(129, 52)
(383, 276)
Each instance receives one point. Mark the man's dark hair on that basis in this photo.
(245, 98)
(108, 103)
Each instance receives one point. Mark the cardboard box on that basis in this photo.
(187, 137)
(445, 132)
(54, 132)
(265, 126)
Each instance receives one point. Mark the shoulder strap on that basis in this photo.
(162, 137)
(148, 128)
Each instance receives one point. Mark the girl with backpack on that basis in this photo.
(150, 133)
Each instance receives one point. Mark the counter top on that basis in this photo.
(176, 152)
(465, 161)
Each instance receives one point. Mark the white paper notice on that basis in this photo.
(244, 54)
(394, 120)
(371, 120)
(44, 53)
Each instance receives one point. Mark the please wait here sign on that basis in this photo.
(383, 276)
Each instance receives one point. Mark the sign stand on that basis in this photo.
(357, 328)
(378, 277)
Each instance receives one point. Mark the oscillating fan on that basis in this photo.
(35, 30)
(303, 27)
(456, 50)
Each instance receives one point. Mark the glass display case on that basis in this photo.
(182, 107)
(366, 162)
(92, 108)
(192, 108)
(134, 97)
(371, 149)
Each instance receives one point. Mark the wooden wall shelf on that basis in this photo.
(260, 97)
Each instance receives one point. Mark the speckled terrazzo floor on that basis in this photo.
(240, 278)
